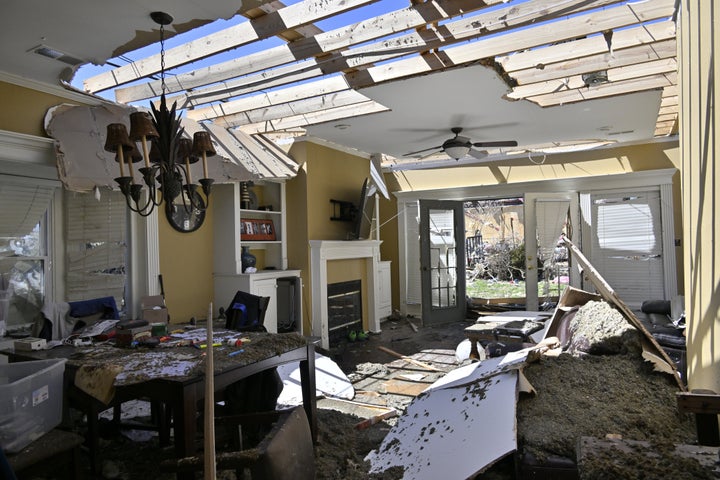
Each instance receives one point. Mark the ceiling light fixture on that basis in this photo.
(169, 158)
(457, 151)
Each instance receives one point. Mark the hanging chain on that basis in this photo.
(163, 87)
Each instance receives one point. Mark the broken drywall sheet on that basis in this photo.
(463, 423)
(330, 381)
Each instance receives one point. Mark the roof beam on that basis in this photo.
(275, 97)
(665, 49)
(629, 72)
(595, 43)
(371, 29)
(653, 82)
(573, 27)
(357, 58)
(499, 17)
(612, 18)
(328, 115)
(299, 107)
(265, 26)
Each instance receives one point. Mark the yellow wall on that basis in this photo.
(186, 264)
(325, 174)
(23, 109)
(699, 129)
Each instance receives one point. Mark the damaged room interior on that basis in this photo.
(359, 240)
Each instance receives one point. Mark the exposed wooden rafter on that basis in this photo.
(570, 28)
(542, 49)
(272, 23)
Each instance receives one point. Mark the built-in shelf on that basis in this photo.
(282, 286)
(228, 218)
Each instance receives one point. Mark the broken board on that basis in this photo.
(463, 423)
(398, 386)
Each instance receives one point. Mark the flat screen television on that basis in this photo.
(363, 214)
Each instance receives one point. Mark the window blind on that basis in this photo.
(96, 247)
(23, 206)
(627, 244)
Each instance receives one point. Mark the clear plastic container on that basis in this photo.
(31, 399)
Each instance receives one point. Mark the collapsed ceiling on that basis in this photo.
(391, 78)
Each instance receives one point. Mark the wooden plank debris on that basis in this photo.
(409, 359)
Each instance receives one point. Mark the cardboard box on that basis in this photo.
(31, 400)
(124, 337)
(154, 309)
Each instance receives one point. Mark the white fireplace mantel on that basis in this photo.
(322, 251)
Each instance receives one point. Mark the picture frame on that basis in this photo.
(257, 229)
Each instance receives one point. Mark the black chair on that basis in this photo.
(246, 312)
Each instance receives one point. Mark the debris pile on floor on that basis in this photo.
(438, 414)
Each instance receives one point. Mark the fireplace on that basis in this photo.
(323, 251)
(344, 309)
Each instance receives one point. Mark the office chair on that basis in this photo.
(246, 312)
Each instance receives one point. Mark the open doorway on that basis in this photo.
(497, 269)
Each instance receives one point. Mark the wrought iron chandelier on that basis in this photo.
(166, 170)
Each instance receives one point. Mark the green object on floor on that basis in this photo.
(362, 335)
(352, 335)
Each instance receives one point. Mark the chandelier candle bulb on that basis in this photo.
(121, 161)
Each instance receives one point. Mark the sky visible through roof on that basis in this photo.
(336, 21)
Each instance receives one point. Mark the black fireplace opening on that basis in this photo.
(344, 310)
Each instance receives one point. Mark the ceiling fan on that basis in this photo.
(457, 147)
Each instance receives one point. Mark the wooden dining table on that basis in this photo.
(174, 376)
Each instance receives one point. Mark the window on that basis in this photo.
(23, 251)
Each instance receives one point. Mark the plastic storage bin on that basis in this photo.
(31, 400)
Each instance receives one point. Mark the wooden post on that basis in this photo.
(210, 472)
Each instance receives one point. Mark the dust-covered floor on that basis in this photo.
(592, 395)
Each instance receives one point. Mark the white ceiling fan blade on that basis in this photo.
(479, 154)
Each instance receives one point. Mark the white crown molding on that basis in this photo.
(57, 90)
(23, 148)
